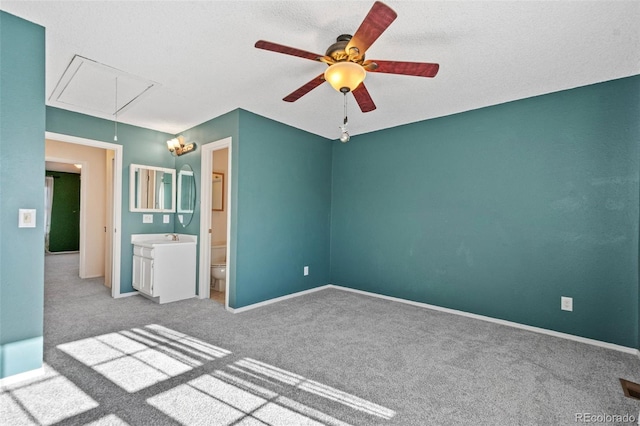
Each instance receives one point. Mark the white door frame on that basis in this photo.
(117, 202)
(206, 168)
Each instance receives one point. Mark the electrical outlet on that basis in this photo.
(147, 218)
(165, 218)
(306, 271)
(566, 303)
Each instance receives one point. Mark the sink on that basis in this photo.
(151, 243)
(150, 240)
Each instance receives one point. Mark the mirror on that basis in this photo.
(152, 189)
(217, 186)
(186, 194)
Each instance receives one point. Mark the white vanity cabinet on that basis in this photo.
(164, 269)
(143, 270)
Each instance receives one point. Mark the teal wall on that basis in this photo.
(284, 210)
(22, 123)
(500, 211)
(280, 204)
(140, 146)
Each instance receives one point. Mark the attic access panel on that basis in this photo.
(90, 87)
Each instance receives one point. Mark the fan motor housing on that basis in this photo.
(337, 50)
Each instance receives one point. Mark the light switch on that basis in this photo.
(165, 218)
(26, 218)
(147, 218)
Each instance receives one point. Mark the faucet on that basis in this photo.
(174, 237)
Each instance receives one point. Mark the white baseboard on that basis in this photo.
(567, 336)
(276, 300)
(17, 378)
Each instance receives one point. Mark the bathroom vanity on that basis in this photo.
(164, 266)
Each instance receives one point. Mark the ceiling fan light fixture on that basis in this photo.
(345, 76)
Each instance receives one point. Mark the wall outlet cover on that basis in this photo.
(26, 218)
(147, 218)
(306, 271)
(566, 303)
(165, 218)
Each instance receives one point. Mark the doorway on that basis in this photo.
(62, 217)
(113, 193)
(211, 239)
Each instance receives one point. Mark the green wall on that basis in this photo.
(22, 122)
(64, 233)
(280, 204)
(500, 211)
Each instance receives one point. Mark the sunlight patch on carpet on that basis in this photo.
(207, 398)
(31, 403)
(141, 357)
(328, 392)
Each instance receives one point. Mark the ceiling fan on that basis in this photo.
(346, 59)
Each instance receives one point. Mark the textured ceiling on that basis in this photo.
(202, 55)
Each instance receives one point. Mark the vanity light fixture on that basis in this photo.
(177, 146)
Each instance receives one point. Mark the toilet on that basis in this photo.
(219, 267)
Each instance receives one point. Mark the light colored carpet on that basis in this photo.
(330, 357)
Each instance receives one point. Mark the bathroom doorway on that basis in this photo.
(215, 222)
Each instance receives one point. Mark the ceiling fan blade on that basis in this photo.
(377, 20)
(297, 94)
(363, 98)
(279, 48)
(418, 69)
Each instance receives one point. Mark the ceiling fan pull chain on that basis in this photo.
(345, 109)
(344, 137)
